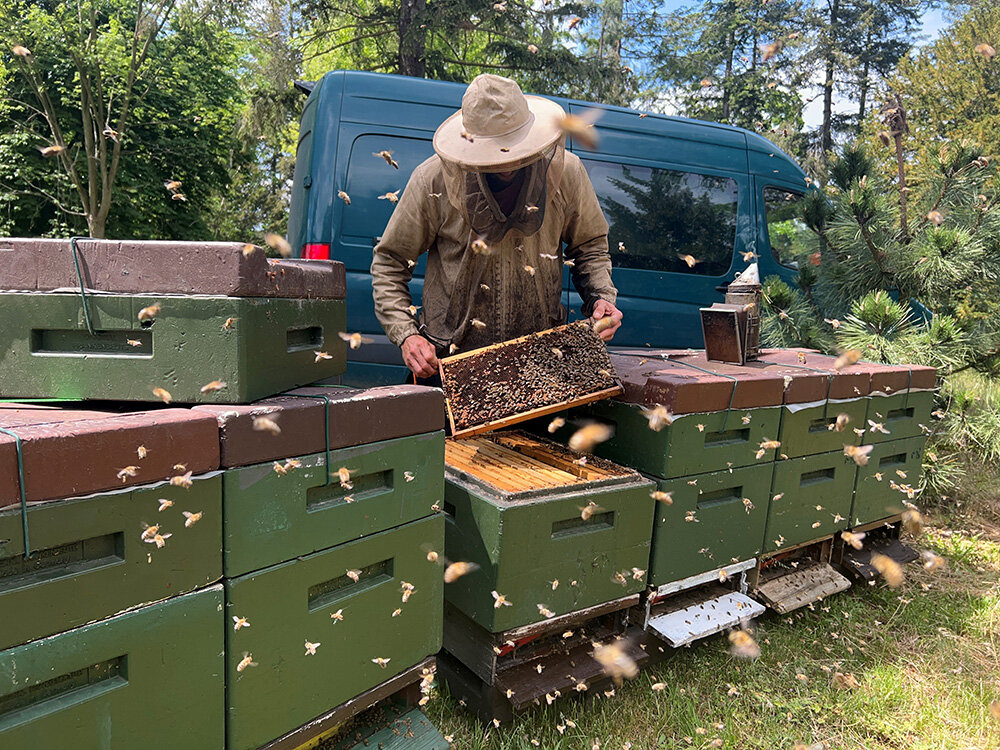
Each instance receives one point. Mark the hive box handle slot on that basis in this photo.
(300, 339)
(62, 561)
(815, 477)
(577, 525)
(62, 692)
(897, 459)
(895, 415)
(330, 592)
(362, 486)
(729, 437)
(126, 343)
(720, 497)
(822, 424)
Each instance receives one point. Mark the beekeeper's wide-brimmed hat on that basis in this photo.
(498, 127)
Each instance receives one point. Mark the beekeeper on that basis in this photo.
(492, 209)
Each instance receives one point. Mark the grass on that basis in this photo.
(926, 655)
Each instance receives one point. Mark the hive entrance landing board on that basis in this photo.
(698, 614)
(527, 377)
(812, 581)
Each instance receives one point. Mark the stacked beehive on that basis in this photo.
(225, 574)
(754, 460)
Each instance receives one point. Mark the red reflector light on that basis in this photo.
(316, 251)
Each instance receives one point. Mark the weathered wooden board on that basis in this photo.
(806, 431)
(89, 559)
(165, 267)
(901, 415)
(272, 517)
(524, 541)
(293, 602)
(150, 678)
(875, 497)
(787, 589)
(69, 452)
(526, 377)
(727, 512)
(691, 444)
(810, 499)
(356, 416)
(269, 346)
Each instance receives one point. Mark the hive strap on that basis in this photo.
(829, 379)
(24, 497)
(79, 278)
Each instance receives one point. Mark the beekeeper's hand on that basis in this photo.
(420, 357)
(604, 309)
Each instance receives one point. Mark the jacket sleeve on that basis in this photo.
(586, 238)
(411, 231)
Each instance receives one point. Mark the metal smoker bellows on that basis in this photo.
(732, 329)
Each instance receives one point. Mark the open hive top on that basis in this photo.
(514, 463)
(527, 377)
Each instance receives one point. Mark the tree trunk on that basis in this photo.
(826, 129)
(727, 81)
(865, 82)
(412, 39)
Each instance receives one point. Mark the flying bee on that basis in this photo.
(845, 681)
(311, 648)
(266, 424)
(190, 519)
(408, 476)
(387, 156)
(172, 185)
(164, 504)
(877, 427)
(746, 419)
(620, 579)
(278, 243)
(410, 263)
(580, 127)
(859, 453)
(587, 437)
(149, 532)
(479, 247)
(249, 249)
(545, 611)
(413, 310)
(931, 561)
(279, 469)
(530, 270)
(149, 313)
(432, 556)
(889, 569)
(128, 471)
(344, 197)
(434, 195)
(499, 600)
(841, 424)
(531, 209)
(859, 431)
(817, 524)
(555, 424)
(354, 575)
(587, 513)
(689, 259)
(354, 339)
(621, 247)
(392, 197)
(701, 427)
(743, 645)
(240, 622)
(133, 342)
(638, 574)
(555, 583)
(344, 475)
(689, 517)
(182, 480)
(397, 612)
(408, 590)
(477, 323)
(569, 263)
(215, 385)
(484, 287)
(458, 569)
(913, 522)
(748, 504)
(657, 416)
(467, 136)
(848, 358)
(246, 661)
(320, 356)
(667, 498)
(337, 616)
(616, 662)
(382, 662)
(51, 150)
(180, 468)
(548, 256)
(160, 540)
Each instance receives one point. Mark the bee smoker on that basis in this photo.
(732, 329)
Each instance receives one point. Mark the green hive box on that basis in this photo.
(522, 541)
(900, 414)
(272, 517)
(691, 444)
(798, 487)
(874, 496)
(724, 529)
(269, 347)
(89, 561)
(291, 603)
(151, 678)
(805, 430)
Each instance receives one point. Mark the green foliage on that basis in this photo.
(788, 319)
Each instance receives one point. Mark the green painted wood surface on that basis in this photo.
(806, 432)
(874, 496)
(901, 414)
(387, 729)
(815, 499)
(151, 678)
(290, 603)
(89, 561)
(271, 518)
(523, 545)
(682, 448)
(269, 348)
(724, 528)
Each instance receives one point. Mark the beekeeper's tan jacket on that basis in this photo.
(513, 291)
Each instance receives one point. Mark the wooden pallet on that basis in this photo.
(525, 378)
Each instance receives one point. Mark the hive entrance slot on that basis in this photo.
(329, 592)
(126, 343)
(729, 437)
(61, 561)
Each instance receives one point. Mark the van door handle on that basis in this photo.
(722, 288)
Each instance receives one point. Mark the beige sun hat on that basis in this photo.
(498, 127)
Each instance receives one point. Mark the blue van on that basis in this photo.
(685, 201)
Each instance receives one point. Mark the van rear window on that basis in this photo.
(666, 220)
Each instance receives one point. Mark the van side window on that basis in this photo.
(792, 242)
(660, 215)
